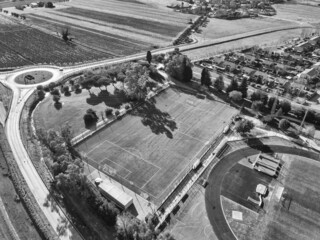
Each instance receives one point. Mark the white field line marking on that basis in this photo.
(123, 150)
(116, 164)
(199, 140)
(125, 180)
(150, 178)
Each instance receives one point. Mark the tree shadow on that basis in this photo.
(158, 121)
(111, 100)
(256, 143)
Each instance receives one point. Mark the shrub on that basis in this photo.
(127, 107)
(55, 92)
(46, 89)
(108, 111)
(117, 113)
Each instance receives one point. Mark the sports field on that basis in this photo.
(151, 147)
(298, 13)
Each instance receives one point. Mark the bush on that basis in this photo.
(127, 107)
(117, 113)
(55, 92)
(108, 111)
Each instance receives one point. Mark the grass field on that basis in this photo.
(301, 219)
(151, 147)
(218, 28)
(74, 107)
(298, 12)
(241, 182)
(39, 76)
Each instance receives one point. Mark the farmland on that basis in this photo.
(151, 147)
(298, 12)
(25, 45)
(218, 28)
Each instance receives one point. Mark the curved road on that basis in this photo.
(213, 190)
(22, 92)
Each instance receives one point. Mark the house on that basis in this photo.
(300, 48)
(309, 74)
(33, 5)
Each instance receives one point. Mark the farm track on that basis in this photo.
(100, 28)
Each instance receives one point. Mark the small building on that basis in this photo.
(33, 5)
(114, 194)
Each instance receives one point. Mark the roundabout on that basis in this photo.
(33, 77)
(232, 181)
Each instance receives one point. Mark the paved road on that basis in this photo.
(22, 92)
(213, 190)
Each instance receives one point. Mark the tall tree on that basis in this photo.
(149, 57)
(235, 95)
(219, 83)
(286, 106)
(205, 77)
(243, 88)
(233, 86)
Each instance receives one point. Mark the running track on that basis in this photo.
(213, 191)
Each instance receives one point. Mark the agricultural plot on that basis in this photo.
(133, 28)
(22, 44)
(218, 28)
(102, 41)
(298, 12)
(151, 147)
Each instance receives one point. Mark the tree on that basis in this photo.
(285, 106)
(256, 106)
(86, 83)
(40, 87)
(244, 126)
(41, 94)
(233, 86)
(149, 57)
(136, 80)
(243, 88)
(219, 83)
(284, 124)
(65, 34)
(180, 68)
(235, 95)
(49, 5)
(56, 99)
(271, 102)
(90, 117)
(205, 77)
(310, 131)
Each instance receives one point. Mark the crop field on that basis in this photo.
(298, 12)
(299, 219)
(102, 41)
(218, 28)
(25, 45)
(151, 146)
(139, 25)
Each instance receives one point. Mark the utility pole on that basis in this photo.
(304, 118)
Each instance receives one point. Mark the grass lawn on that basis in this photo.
(151, 146)
(74, 107)
(301, 220)
(241, 182)
(39, 77)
